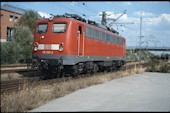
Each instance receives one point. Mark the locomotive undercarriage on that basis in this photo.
(58, 69)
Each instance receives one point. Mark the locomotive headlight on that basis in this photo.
(35, 48)
(61, 47)
(51, 18)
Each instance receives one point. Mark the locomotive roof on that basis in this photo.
(78, 17)
(89, 22)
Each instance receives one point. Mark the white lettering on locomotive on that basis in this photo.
(47, 52)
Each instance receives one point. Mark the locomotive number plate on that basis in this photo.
(47, 46)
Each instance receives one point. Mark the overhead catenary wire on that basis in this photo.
(128, 27)
(91, 9)
(87, 7)
(93, 12)
(70, 9)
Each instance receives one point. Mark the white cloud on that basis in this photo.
(166, 17)
(152, 21)
(43, 14)
(161, 19)
(148, 18)
(144, 14)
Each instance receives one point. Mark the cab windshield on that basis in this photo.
(41, 28)
(59, 27)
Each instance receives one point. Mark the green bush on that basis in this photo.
(165, 68)
(152, 65)
(138, 55)
(158, 66)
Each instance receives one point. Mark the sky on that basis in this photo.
(155, 30)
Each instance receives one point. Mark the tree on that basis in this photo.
(29, 19)
(20, 48)
(24, 38)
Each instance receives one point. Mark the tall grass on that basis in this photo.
(158, 66)
(32, 97)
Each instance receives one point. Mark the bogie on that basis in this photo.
(82, 68)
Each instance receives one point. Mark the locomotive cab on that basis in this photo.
(50, 40)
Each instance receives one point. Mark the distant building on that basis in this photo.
(9, 16)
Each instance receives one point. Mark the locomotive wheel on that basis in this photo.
(107, 69)
(95, 68)
(118, 67)
(75, 70)
(61, 74)
(111, 69)
(46, 74)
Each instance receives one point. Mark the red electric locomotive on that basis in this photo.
(67, 43)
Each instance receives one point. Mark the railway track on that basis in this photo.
(15, 65)
(13, 85)
(11, 68)
(16, 85)
(15, 68)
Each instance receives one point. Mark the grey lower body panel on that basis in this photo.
(72, 60)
